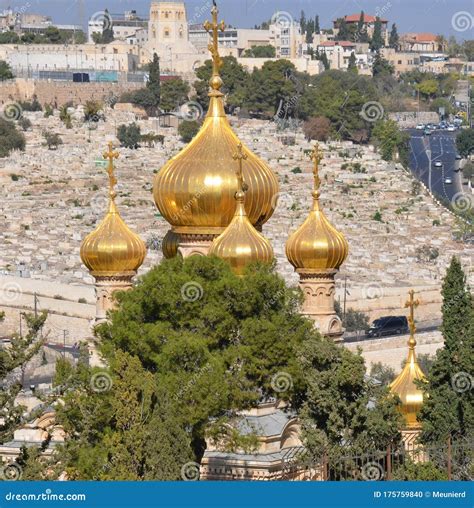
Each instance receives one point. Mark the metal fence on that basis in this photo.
(83, 75)
(453, 459)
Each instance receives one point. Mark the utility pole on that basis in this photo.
(345, 296)
(36, 305)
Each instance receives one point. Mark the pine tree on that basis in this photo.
(393, 40)
(377, 41)
(361, 35)
(317, 29)
(303, 23)
(154, 83)
(344, 33)
(449, 405)
(352, 65)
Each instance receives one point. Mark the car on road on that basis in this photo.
(448, 180)
(451, 128)
(458, 157)
(388, 325)
(427, 132)
(438, 164)
(420, 127)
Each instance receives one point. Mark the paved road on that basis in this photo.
(442, 145)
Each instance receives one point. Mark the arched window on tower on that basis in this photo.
(181, 32)
(166, 32)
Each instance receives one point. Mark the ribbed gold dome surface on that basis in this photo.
(240, 243)
(112, 248)
(403, 385)
(316, 244)
(195, 190)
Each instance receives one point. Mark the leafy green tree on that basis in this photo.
(154, 81)
(382, 373)
(449, 405)
(10, 138)
(142, 97)
(381, 66)
(465, 142)
(394, 39)
(129, 135)
(234, 77)
(9, 37)
(428, 88)
(337, 418)
(377, 41)
(174, 93)
(468, 50)
(5, 71)
(388, 138)
(187, 129)
(53, 35)
(362, 35)
(303, 22)
(266, 51)
(419, 471)
(344, 34)
(16, 358)
(352, 64)
(269, 87)
(318, 128)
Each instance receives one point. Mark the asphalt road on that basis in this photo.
(442, 145)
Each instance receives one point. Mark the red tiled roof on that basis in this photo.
(354, 18)
(420, 37)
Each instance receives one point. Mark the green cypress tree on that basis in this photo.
(377, 41)
(361, 35)
(449, 405)
(393, 39)
(154, 84)
(108, 29)
(352, 66)
(317, 29)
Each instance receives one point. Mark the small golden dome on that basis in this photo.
(112, 249)
(404, 386)
(170, 245)
(316, 244)
(240, 243)
(194, 191)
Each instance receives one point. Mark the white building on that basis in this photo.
(286, 37)
(125, 26)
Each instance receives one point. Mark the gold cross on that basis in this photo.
(316, 157)
(111, 155)
(240, 156)
(214, 27)
(412, 304)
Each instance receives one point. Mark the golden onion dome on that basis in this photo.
(112, 248)
(240, 243)
(316, 244)
(404, 385)
(170, 244)
(194, 191)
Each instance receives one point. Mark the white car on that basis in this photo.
(448, 181)
(438, 164)
(420, 127)
(451, 128)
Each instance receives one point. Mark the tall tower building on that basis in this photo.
(195, 190)
(317, 250)
(112, 253)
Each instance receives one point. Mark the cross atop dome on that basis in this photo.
(213, 47)
(111, 155)
(412, 304)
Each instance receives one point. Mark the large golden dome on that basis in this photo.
(404, 385)
(195, 190)
(240, 243)
(316, 244)
(112, 249)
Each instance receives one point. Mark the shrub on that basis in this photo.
(317, 128)
(24, 123)
(52, 140)
(129, 135)
(188, 129)
(10, 138)
(48, 110)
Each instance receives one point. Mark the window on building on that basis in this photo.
(285, 51)
(399, 62)
(167, 32)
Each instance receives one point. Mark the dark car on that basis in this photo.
(388, 325)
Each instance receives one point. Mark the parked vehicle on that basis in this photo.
(438, 164)
(388, 325)
(420, 127)
(451, 128)
(427, 132)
